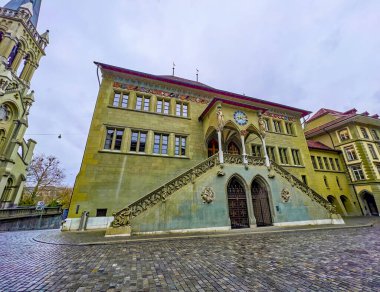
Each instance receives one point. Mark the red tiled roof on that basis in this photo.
(319, 145)
(342, 118)
(199, 86)
(187, 81)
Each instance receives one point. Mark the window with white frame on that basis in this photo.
(114, 138)
(120, 99)
(332, 163)
(326, 163)
(372, 151)
(138, 141)
(314, 162)
(344, 135)
(283, 152)
(271, 153)
(163, 106)
(180, 146)
(277, 126)
(350, 153)
(296, 157)
(357, 172)
(181, 109)
(142, 103)
(337, 163)
(374, 134)
(364, 132)
(160, 143)
(289, 128)
(320, 162)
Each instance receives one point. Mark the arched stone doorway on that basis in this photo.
(213, 147)
(336, 204)
(347, 204)
(237, 204)
(260, 202)
(370, 204)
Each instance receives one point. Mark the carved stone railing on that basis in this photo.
(123, 217)
(5, 12)
(294, 181)
(28, 212)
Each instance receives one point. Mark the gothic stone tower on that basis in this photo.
(21, 48)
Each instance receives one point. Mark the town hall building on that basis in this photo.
(167, 154)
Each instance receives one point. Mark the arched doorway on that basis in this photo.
(371, 203)
(347, 204)
(233, 149)
(260, 202)
(335, 203)
(213, 147)
(237, 204)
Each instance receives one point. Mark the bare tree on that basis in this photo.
(44, 171)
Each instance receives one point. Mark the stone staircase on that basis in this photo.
(123, 217)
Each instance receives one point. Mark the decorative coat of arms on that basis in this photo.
(208, 195)
(285, 195)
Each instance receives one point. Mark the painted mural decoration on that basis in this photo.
(279, 116)
(241, 118)
(159, 92)
(220, 117)
(208, 195)
(285, 195)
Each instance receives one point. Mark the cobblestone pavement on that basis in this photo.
(314, 260)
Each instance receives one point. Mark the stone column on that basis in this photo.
(221, 159)
(16, 62)
(267, 161)
(243, 147)
(19, 193)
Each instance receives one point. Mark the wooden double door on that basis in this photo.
(238, 207)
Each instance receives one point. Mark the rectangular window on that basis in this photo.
(320, 163)
(114, 138)
(146, 103)
(374, 134)
(357, 172)
(159, 106)
(277, 126)
(181, 109)
(350, 153)
(138, 141)
(372, 151)
(101, 212)
(271, 153)
(116, 99)
(296, 157)
(139, 101)
(364, 133)
(162, 106)
(378, 168)
(283, 155)
(160, 144)
(124, 100)
(256, 150)
(337, 163)
(343, 134)
(332, 163)
(326, 163)
(304, 179)
(266, 124)
(314, 162)
(180, 146)
(289, 128)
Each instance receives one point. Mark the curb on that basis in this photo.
(199, 236)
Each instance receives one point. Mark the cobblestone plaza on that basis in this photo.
(312, 260)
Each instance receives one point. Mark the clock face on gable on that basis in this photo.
(240, 118)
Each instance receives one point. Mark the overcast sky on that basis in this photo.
(306, 54)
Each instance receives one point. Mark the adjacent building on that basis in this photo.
(21, 48)
(357, 136)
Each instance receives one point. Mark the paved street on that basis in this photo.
(314, 260)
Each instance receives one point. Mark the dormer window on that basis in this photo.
(364, 133)
(344, 135)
